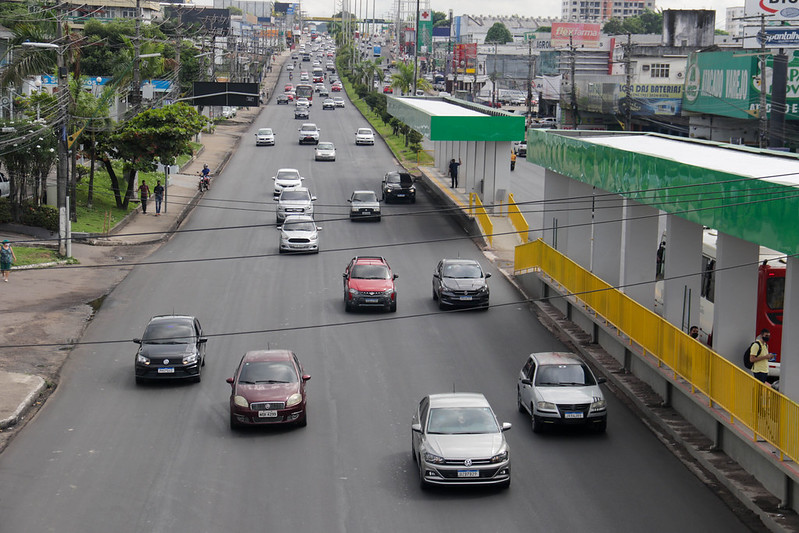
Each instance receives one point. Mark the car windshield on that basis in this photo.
(392, 178)
(264, 131)
(325, 146)
(294, 195)
(299, 226)
(309, 128)
(288, 175)
(370, 272)
(267, 372)
(462, 271)
(563, 375)
(364, 197)
(461, 421)
(364, 131)
(168, 333)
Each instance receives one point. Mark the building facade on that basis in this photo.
(603, 10)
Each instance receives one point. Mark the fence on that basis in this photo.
(769, 414)
(517, 219)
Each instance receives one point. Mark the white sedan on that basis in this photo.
(325, 151)
(265, 137)
(364, 136)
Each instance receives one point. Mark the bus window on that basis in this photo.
(708, 288)
(775, 292)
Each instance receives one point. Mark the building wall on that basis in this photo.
(735, 27)
(602, 11)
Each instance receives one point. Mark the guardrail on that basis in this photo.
(477, 210)
(770, 415)
(517, 219)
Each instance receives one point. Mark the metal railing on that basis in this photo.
(768, 414)
(477, 210)
(517, 219)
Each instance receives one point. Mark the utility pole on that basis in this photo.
(573, 61)
(529, 81)
(761, 113)
(629, 80)
(135, 97)
(176, 88)
(494, 78)
(62, 168)
(416, 50)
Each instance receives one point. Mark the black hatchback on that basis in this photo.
(398, 186)
(172, 348)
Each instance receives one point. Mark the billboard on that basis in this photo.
(654, 99)
(776, 37)
(575, 33)
(774, 10)
(424, 36)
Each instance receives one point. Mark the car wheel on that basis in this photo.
(347, 306)
(538, 426)
(441, 304)
(393, 307)
(139, 381)
(317, 142)
(519, 403)
(302, 422)
(505, 485)
(377, 219)
(423, 484)
(413, 200)
(234, 424)
(435, 295)
(198, 378)
(601, 427)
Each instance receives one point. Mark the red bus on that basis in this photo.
(305, 90)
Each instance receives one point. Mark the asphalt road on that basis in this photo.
(107, 455)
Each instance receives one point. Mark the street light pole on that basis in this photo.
(416, 49)
(62, 169)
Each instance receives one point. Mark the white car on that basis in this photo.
(558, 388)
(286, 178)
(294, 201)
(309, 133)
(299, 233)
(325, 151)
(289, 67)
(5, 186)
(339, 101)
(265, 137)
(364, 136)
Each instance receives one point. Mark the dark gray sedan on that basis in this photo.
(460, 283)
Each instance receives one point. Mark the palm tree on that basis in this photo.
(402, 80)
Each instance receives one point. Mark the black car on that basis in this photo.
(282, 99)
(398, 186)
(172, 347)
(461, 283)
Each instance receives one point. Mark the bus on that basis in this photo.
(305, 90)
(770, 296)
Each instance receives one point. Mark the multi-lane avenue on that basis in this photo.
(106, 455)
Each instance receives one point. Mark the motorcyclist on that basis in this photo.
(291, 75)
(205, 176)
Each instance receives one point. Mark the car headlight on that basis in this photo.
(500, 457)
(354, 292)
(141, 359)
(388, 292)
(546, 406)
(484, 288)
(241, 401)
(598, 405)
(294, 399)
(191, 359)
(432, 458)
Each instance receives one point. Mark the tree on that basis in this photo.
(153, 136)
(498, 33)
(440, 19)
(402, 80)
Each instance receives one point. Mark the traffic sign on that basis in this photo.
(529, 36)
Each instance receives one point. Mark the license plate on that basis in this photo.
(267, 414)
(468, 473)
(166, 370)
(401, 195)
(466, 298)
(573, 415)
(371, 300)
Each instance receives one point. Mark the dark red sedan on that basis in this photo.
(268, 388)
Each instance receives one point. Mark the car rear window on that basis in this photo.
(461, 420)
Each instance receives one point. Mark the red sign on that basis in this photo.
(465, 52)
(575, 33)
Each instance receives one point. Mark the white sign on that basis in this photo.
(772, 9)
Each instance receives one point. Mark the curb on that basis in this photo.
(26, 403)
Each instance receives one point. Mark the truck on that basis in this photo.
(377, 51)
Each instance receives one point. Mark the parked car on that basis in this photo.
(299, 234)
(398, 186)
(309, 133)
(289, 67)
(265, 137)
(172, 347)
(457, 440)
(364, 204)
(294, 201)
(329, 104)
(286, 178)
(282, 99)
(558, 388)
(268, 387)
(461, 283)
(369, 282)
(325, 151)
(364, 136)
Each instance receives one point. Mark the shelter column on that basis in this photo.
(556, 213)
(480, 163)
(606, 249)
(734, 296)
(578, 240)
(683, 264)
(789, 369)
(469, 169)
(640, 236)
(437, 154)
(501, 174)
(464, 172)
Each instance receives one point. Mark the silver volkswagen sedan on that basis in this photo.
(457, 440)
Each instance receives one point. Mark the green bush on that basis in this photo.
(5, 211)
(41, 216)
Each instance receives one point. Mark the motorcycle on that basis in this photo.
(204, 183)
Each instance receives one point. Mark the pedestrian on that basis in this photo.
(759, 355)
(693, 332)
(512, 160)
(158, 190)
(6, 258)
(144, 193)
(453, 172)
(660, 260)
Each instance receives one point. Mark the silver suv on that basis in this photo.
(309, 133)
(558, 388)
(296, 201)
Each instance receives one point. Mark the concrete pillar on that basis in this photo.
(733, 299)
(469, 170)
(501, 173)
(556, 211)
(578, 240)
(640, 242)
(606, 248)
(462, 154)
(437, 155)
(683, 262)
(485, 182)
(479, 166)
(789, 370)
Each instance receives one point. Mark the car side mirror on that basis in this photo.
(526, 381)
(436, 275)
(301, 178)
(600, 381)
(417, 427)
(396, 276)
(230, 380)
(344, 275)
(318, 228)
(506, 426)
(350, 200)
(278, 228)
(275, 198)
(488, 275)
(313, 198)
(137, 341)
(203, 340)
(306, 377)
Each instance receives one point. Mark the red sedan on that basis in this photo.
(288, 87)
(388, 90)
(268, 388)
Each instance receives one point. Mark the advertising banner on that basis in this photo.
(776, 37)
(578, 33)
(652, 99)
(425, 35)
(774, 10)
